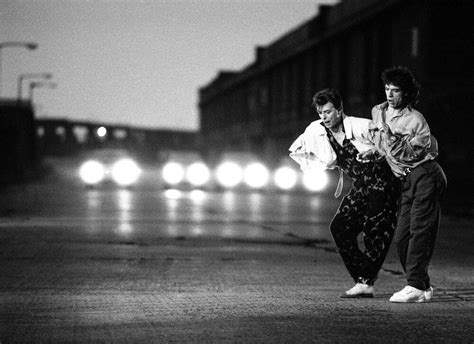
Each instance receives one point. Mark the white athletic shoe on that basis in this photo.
(409, 294)
(359, 290)
(429, 294)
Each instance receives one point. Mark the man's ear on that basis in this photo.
(341, 110)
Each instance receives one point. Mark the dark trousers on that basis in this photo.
(418, 221)
(373, 213)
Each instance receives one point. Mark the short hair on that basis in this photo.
(402, 77)
(328, 95)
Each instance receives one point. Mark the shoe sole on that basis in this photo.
(357, 296)
(421, 300)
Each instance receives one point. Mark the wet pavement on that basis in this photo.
(152, 267)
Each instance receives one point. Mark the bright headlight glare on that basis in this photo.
(315, 180)
(173, 173)
(285, 178)
(229, 174)
(92, 172)
(125, 172)
(256, 175)
(198, 174)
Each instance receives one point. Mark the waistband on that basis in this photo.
(408, 170)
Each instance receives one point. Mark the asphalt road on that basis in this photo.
(154, 266)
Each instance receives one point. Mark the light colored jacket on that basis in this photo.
(312, 149)
(411, 144)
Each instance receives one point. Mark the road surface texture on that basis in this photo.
(146, 266)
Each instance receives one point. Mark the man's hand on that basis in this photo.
(384, 128)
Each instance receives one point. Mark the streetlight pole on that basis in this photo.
(36, 84)
(27, 45)
(22, 77)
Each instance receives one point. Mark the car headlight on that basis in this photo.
(256, 175)
(173, 173)
(198, 174)
(315, 180)
(92, 172)
(125, 172)
(229, 174)
(285, 178)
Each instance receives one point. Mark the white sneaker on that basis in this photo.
(429, 294)
(409, 294)
(359, 290)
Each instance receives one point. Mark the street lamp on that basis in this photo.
(36, 84)
(22, 77)
(27, 45)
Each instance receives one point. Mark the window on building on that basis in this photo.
(80, 133)
(60, 133)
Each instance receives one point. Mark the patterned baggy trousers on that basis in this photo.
(371, 212)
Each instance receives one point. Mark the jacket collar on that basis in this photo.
(406, 109)
(347, 124)
(347, 127)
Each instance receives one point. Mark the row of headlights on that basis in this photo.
(254, 175)
(229, 175)
(124, 172)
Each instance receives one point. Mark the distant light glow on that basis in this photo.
(124, 198)
(173, 173)
(92, 172)
(80, 133)
(101, 132)
(173, 194)
(285, 178)
(198, 174)
(40, 131)
(229, 174)
(197, 196)
(120, 134)
(125, 172)
(60, 131)
(256, 175)
(315, 180)
(197, 231)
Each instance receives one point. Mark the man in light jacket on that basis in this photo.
(403, 136)
(336, 140)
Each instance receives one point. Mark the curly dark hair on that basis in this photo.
(328, 95)
(402, 77)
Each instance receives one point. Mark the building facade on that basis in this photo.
(262, 108)
(17, 142)
(68, 137)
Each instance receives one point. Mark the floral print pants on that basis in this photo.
(373, 213)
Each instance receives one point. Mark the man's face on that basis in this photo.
(394, 96)
(332, 118)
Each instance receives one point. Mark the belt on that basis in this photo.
(408, 170)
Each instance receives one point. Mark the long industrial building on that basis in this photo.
(263, 107)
